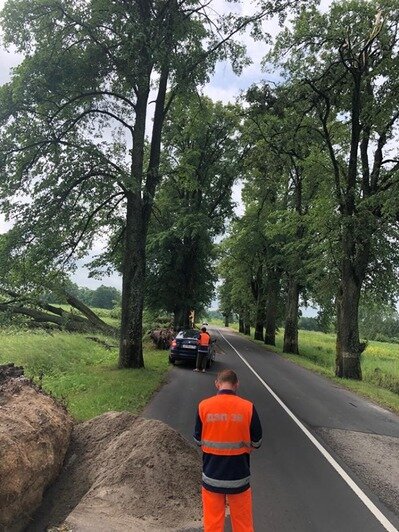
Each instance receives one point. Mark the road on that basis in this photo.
(297, 480)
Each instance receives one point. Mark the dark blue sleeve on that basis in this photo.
(198, 429)
(255, 430)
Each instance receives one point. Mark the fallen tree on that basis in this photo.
(48, 316)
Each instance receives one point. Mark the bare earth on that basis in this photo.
(123, 472)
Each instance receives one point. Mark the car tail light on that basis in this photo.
(173, 344)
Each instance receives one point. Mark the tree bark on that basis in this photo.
(272, 293)
(181, 318)
(131, 347)
(291, 318)
(241, 324)
(355, 257)
(226, 320)
(353, 270)
(348, 345)
(258, 292)
(247, 328)
(133, 264)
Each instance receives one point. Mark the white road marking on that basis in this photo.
(362, 496)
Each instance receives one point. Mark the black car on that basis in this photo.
(185, 346)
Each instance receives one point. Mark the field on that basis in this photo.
(83, 373)
(380, 365)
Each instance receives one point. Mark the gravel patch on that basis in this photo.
(374, 459)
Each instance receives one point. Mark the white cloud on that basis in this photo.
(81, 278)
(221, 94)
(4, 226)
(8, 60)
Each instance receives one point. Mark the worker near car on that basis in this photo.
(204, 341)
(227, 428)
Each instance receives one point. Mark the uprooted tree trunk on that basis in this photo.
(51, 317)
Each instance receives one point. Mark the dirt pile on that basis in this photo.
(34, 436)
(123, 472)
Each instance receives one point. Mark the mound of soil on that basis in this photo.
(123, 472)
(34, 436)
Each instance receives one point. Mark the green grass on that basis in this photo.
(380, 365)
(380, 360)
(82, 373)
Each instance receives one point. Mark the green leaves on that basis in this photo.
(201, 163)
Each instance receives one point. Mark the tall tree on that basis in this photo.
(281, 145)
(201, 160)
(348, 62)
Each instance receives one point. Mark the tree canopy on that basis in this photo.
(76, 159)
(105, 136)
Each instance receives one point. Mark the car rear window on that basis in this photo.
(190, 333)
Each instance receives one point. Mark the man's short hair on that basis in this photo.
(227, 375)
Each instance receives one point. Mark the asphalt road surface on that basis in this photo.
(298, 482)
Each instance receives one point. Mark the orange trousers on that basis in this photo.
(214, 506)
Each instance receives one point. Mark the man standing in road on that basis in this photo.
(204, 341)
(227, 428)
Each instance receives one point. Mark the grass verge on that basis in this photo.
(380, 365)
(82, 373)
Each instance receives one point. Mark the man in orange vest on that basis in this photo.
(204, 341)
(227, 428)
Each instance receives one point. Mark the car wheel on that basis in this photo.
(172, 360)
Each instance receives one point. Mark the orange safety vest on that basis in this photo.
(226, 421)
(204, 339)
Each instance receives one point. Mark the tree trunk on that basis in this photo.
(181, 318)
(259, 324)
(226, 320)
(260, 313)
(56, 316)
(97, 322)
(291, 318)
(354, 258)
(247, 328)
(241, 324)
(133, 264)
(272, 292)
(258, 334)
(348, 346)
(353, 270)
(131, 348)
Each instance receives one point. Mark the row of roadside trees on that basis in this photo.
(321, 193)
(80, 158)
(78, 161)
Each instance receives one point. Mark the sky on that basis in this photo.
(224, 86)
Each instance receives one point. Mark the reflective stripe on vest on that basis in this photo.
(216, 483)
(226, 445)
